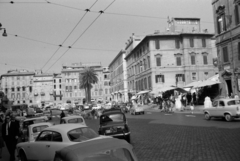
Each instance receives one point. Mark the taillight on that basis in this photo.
(237, 108)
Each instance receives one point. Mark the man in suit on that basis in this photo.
(10, 133)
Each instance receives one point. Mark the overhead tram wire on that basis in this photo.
(48, 43)
(101, 12)
(12, 2)
(86, 11)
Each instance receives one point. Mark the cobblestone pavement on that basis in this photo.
(169, 142)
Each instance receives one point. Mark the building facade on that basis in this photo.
(227, 32)
(57, 89)
(18, 86)
(70, 83)
(43, 89)
(179, 56)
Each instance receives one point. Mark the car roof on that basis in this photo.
(39, 124)
(71, 117)
(64, 127)
(34, 118)
(76, 151)
(228, 99)
(108, 111)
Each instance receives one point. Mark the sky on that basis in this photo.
(44, 35)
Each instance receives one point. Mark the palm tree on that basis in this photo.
(87, 78)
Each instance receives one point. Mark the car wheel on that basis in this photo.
(128, 139)
(228, 117)
(207, 116)
(22, 156)
(143, 112)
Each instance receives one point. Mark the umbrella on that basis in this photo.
(143, 92)
(207, 83)
(192, 84)
(166, 88)
(134, 97)
(181, 90)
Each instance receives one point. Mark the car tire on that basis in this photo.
(22, 156)
(143, 112)
(228, 117)
(207, 116)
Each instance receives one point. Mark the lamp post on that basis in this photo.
(4, 31)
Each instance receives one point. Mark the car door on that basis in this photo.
(39, 150)
(213, 109)
(56, 144)
(221, 108)
(35, 130)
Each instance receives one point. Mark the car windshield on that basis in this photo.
(233, 102)
(75, 120)
(112, 118)
(120, 154)
(82, 134)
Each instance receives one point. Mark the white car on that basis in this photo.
(34, 129)
(136, 110)
(54, 138)
(74, 119)
(228, 108)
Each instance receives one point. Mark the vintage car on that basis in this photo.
(24, 124)
(73, 120)
(109, 149)
(223, 108)
(54, 138)
(114, 123)
(137, 109)
(34, 129)
(48, 113)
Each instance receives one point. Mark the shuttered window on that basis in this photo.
(177, 44)
(225, 55)
(193, 60)
(159, 78)
(157, 44)
(158, 60)
(238, 50)
(180, 78)
(205, 62)
(236, 13)
(191, 42)
(179, 63)
(149, 82)
(203, 42)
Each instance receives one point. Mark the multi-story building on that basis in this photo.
(57, 88)
(43, 88)
(179, 56)
(18, 86)
(70, 83)
(226, 15)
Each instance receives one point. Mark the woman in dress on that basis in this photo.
(178, 103)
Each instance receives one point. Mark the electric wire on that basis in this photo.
(69, 34)
(14, 65)
(101, 12)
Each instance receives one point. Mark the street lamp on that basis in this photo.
(4, 31)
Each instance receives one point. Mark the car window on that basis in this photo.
(57, 137)
(82, 134)
(75, 120)
(233, 102)
(221, 103)
(45, 136)
(215, 104)
(112, 118)
(120, 154)
(39, 128)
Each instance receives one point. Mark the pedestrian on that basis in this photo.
(184, 101)
(189, 98)
(192, 107)
(10, 133)
(1, 138)
(194, 98)
(62, 115)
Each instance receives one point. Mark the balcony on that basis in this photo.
(42, 94)
(35, 94)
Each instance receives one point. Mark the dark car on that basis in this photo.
(114, 123)
(123, 106)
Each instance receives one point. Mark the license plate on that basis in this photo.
(108, 131)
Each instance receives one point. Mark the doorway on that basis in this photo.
(229, 86)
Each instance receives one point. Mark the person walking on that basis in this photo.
(10, 133)
(194, 98)
(1, 138)
(62, 115)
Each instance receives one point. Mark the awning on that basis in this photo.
(192, 84)
(169, 88)
(207, 83)
(143, 92)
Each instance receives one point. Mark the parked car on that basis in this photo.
(223, 108)
(48, 114)
(54, 138)
(114, 123)
(34, 129)
(124, 108)
(108, 149)
(73, 119)
(24, 125)
(137, 109)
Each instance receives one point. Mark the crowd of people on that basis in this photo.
(179, 101)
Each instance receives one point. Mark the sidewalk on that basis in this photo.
(198, 109)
